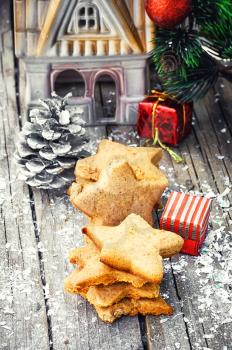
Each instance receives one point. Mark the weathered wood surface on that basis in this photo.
(23, 320)
(38, 228)
(193, 326)
(73, 322)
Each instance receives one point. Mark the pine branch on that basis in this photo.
(184, 57)
(197, 82)
(209, 11)
(184, 45)
(218, 38)
(215, 25)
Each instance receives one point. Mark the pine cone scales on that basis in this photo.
(50, 144)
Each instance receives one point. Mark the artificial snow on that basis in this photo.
(210, 294)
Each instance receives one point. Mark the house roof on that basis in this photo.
(59, 14)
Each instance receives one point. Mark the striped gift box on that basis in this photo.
(188, 216)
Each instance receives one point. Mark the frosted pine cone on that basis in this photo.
(50, 144)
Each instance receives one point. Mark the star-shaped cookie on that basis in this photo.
(93, 272)
(118, 193)
(134, 246)
(133, 307)
(105, 296)
(141, 160)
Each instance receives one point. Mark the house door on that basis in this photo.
(70, 81)
(105, 98)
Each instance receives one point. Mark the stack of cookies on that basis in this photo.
(119, 269)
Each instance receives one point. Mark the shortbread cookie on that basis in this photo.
(141, 160)
(81, 255)
(108, 295)
(134, 246)
(118, 193)
(133, 307)
(93, 272)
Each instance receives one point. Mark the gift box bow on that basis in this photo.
(162, 96)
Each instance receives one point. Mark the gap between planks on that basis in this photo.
(18, 228)
(159, 335)
(34, 220)
(78, 327)
(196, 161)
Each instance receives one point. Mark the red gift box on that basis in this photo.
(162, 113)
(187, 215)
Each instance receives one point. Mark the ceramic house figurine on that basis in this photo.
(95, 48)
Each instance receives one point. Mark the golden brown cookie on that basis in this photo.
(108, 295)
(93, 272)
(134, 246)
(133, 307)
(141, 160)
(81, 255)
(118, 193)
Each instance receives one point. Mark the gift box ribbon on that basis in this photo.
(161, 96)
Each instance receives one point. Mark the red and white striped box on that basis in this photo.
(187, 215)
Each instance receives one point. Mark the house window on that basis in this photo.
(85, 19)
(70, 81)
(105, 97)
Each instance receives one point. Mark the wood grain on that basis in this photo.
(223, 95)
(22, 306)
(38, 228)
(74, 321)
(162, 332)
(200, 174)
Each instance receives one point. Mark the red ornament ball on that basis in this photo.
(168, 13)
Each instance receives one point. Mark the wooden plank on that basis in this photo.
(223, 93)
(168, 332)
(186, 283)
(213, 145)
(189, 285)
(162, 332)
(212, 117)
(186, 286)
(95, 134)
(21, 90)
(5, 10)
(175, 332)
(23, 317)
(74, 323)
(124, 134)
